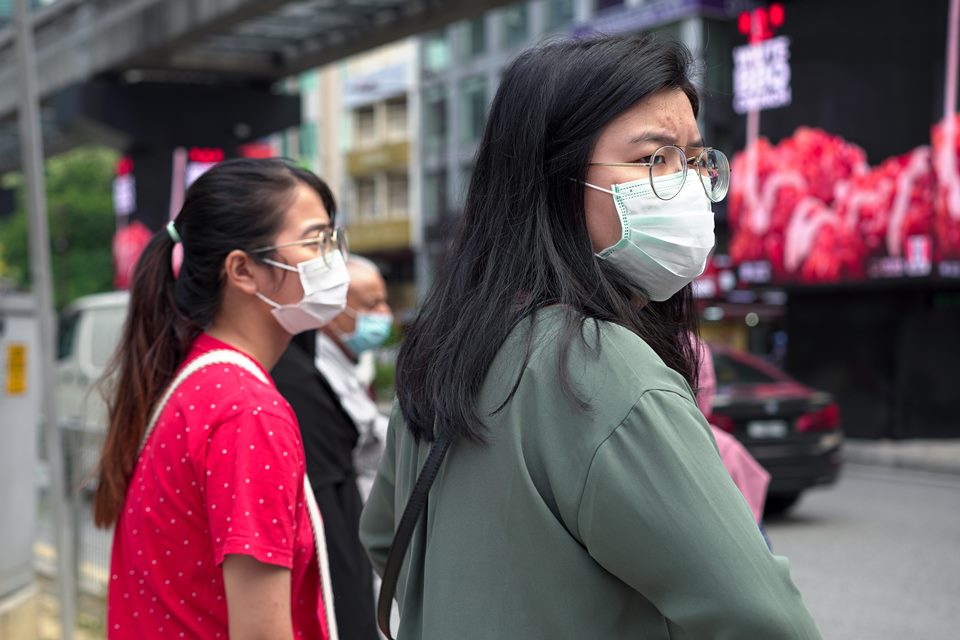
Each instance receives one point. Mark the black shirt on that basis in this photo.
(329, 437)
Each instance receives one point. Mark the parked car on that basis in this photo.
(90, 329)
(792, 430)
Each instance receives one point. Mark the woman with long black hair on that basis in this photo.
(582, 495)
(202, 473)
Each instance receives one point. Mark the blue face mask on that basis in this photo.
(372, 331)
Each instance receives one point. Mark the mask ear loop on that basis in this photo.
(275, 305)
(593, 186)
(279, 265)
(620, 217)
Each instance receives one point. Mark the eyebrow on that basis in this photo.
(314, 228)
(662, 138)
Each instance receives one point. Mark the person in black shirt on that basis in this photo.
(329, 438)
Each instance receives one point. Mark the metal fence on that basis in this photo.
(91, 546)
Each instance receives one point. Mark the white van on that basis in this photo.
(90, 328)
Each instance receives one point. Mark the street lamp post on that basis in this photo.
(31, 152)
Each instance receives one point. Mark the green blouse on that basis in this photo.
(618, 521)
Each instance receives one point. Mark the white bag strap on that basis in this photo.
(228, 356)
(320, 541)
(217, 356)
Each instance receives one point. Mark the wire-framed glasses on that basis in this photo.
(667, 170)
(326, 240)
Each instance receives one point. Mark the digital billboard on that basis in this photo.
(819, 212)
(812, 206)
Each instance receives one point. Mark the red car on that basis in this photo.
(791, 429)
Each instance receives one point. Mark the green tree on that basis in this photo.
(80, 210)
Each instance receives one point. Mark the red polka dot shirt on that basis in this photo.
(222, 473)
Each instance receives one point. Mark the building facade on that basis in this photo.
(359, 121)
(460, 67)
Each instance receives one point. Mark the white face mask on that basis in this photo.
(325, 281)
(664, 244)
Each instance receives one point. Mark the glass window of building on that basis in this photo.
(308, 142)
(366, 124)
(436, 51)
(473, 107)
(559, 14)
(397, 118)
(603, 5)
(435, 119)
(473, 38)
(434, 195)
(398, 195)
(672, 31)
(716, 53)
(309, 81)
(515, 25)
(466, 172)
(366, 198)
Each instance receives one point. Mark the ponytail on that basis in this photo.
(238, 204)
(156, 338)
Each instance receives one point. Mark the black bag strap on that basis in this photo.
(401, 539)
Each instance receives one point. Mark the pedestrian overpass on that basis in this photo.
(140, 71)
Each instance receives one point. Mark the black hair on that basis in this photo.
(522, 242)
(237, 204)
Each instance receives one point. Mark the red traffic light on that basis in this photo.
(758, 25)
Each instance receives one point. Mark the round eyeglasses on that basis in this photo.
(669, 161)
(326, 240)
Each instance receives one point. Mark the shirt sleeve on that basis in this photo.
(254, 471)
(377, 520)
(659, 511)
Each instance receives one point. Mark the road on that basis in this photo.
(877, 557)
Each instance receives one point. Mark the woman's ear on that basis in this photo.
(240, 271)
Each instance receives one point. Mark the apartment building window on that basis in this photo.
(308, 142)
(398, 195)
(473, 107)
(515, 23)
(434, 196)
(436, 51)
(559, 14)
(473, 38)
(435, 119)
(672, 31)
(366, 198)
(466, 173)
(603, 5)
(366, 125)
(397, 118)
(309, 81)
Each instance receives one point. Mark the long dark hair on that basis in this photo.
(238, 204)
(523, 244)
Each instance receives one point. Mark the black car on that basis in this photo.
(791, 429)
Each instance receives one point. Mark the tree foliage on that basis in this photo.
(80, 211)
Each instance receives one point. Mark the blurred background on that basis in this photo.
(832, 300)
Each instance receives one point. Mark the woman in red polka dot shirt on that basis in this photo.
(202, 471)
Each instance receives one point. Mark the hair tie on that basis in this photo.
(172, 232)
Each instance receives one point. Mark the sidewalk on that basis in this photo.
(940, 456)
(91, 614)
